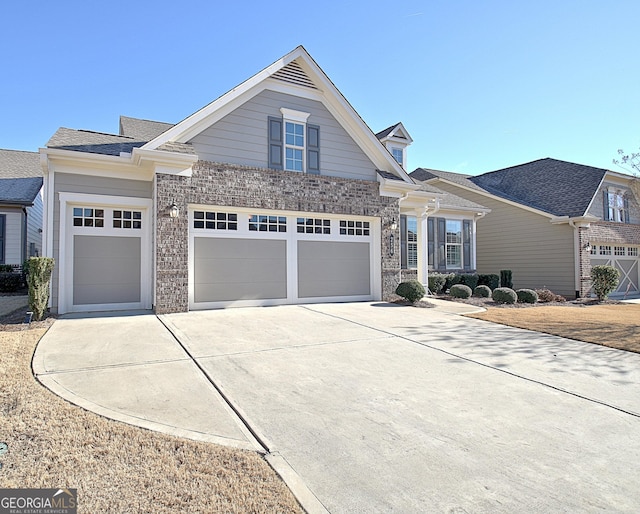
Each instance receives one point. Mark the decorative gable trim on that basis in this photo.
(293, 73)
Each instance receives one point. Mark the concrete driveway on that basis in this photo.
(374, 407)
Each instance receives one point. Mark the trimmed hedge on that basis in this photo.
(467, 279)
(605, 279)
(506, 278)
(460, 291)
(482, 292)
(412, 290)
(490, 280)
(437, 282)
(504, 295)
(40, 269)
(527, 296)
(10, 282)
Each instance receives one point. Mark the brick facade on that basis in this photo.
(603, 232)
(243, 186)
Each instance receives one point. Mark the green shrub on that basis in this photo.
(545, 295)
(412, 290)
(482, 292)
(605, 279)
(40, 269)
(506, 278)
(504, 295)
(437, 282)
(10, 282)
(460, 291)
(491, 280)
(527, 296)
(469, 279)
(6, 268)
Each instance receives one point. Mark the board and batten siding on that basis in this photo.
(241, 137)
(539, 253)
(75, 183)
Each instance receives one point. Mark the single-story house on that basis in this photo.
(20, 206)
(277, 192)
(551, 221)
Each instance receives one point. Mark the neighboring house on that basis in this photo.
(275, 193)
(20, 206)
(550, 221)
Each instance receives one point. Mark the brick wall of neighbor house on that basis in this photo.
(611, 232)
(243, 186)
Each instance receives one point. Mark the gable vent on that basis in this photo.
(294, 74)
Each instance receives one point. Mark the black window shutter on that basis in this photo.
(313, 149)
(626, 209)
(605, 205)
(431, 242)
(403, 242)
(466, 244)
(441, 243)
(275, 143)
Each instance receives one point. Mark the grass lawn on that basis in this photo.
(117, 467)
(617, 326)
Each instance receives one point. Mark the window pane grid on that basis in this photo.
(313, 226)
(354, 228)
(214, 220)
(88, 217)
(266, 223)
(454, 243)
(127, 219)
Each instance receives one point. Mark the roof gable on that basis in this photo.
(144, 130)
(298, 74)
(395, 132)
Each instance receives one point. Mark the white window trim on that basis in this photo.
(299, 118)
(65, 251)
(459, 245)
(616, 213)
(399, 150)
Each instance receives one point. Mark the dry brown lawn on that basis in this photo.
(617, 326)
(117, 467)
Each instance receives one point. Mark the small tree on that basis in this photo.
(39, 274)
(605, 279)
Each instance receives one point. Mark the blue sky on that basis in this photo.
(480, 85)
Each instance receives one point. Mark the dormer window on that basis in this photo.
(616, 206)
(397, 155)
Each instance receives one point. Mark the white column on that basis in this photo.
(423, 254)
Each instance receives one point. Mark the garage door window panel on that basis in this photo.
(88, 217)
(267, 223)
(313, 226)
(127, 219)
(214, 220)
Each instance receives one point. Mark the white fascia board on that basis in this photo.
(395, 188)
(166, 162)
(453, 208)
(494, 197)
(582, 221)
(97, 165)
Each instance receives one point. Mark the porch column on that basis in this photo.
(423, 255)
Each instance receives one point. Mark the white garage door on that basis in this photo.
(253, 257)
(626, 260)
(105, 253)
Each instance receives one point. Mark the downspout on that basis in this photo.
(478, 216)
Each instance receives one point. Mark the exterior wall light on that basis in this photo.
(174, 212)
(587, 247)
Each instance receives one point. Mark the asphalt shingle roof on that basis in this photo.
(387, 131)
(21, 191)
(557, 187)
(145, 130)
(106, 144)
(19, 164)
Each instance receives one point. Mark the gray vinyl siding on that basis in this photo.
(34, 224)
(73, 183)
(13, 229)
(241, 137)
(539, 253)
(597, 205)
